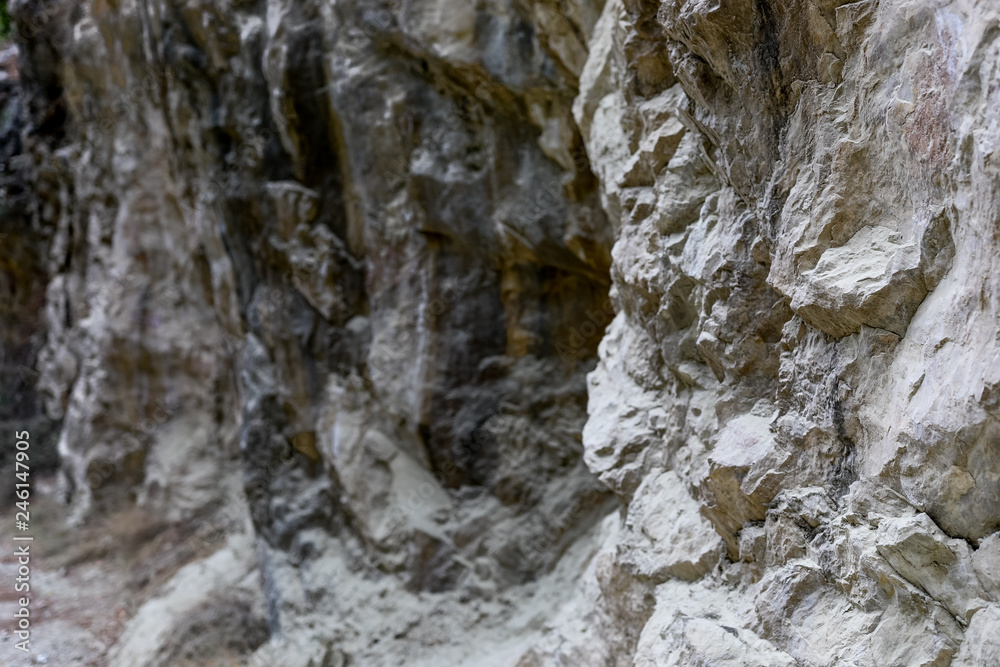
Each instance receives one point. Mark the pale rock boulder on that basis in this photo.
(626, 432)
(857, 283)
(791, 518)
(384, 486)
(940, 566)
(665, 534)
(986, 562)
(742, 476)
(981, 645)
(229, 575)
(841, 448)
(913, 631)
(695, 625)
(792, 606)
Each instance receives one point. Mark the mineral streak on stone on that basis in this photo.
(564, 332)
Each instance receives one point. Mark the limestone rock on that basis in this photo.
(665, 535)
(926, 557)
(227, 576)
(980, 646)
(591, 332)
(695, 626)
(986, 562)
(740, 484)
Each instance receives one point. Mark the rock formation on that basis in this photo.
(564, 332)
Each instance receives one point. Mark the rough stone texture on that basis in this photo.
(346, 261)
(345, 266)
(805, 298)
(23, 280)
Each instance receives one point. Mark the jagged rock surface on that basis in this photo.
(342, 268)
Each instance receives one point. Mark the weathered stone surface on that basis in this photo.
(665, 536)
(924, 556)
(177, 624)
(623, 332)
(986, 562)
(801, 305)
(694, 626)
(981, 645)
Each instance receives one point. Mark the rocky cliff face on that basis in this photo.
(528, 333)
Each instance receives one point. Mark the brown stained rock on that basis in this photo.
(941, 567)
(743, 477)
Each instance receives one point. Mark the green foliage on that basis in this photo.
(4, 21)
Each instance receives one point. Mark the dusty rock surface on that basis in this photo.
(635, 332)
